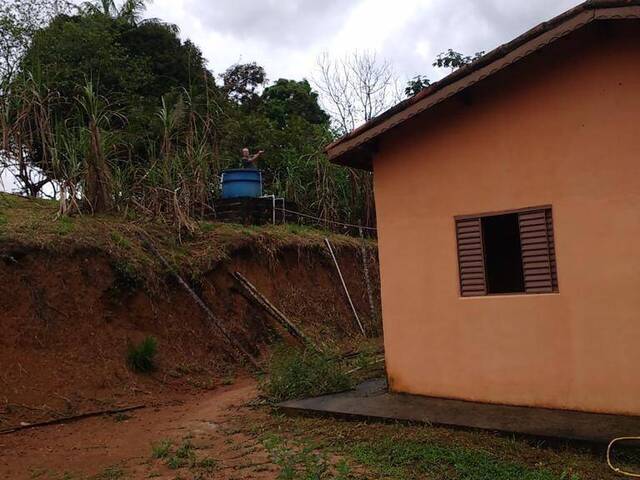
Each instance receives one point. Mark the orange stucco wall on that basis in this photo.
(561, 128)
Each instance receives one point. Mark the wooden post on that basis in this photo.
(217, 323)
(344, 285)
(273, 311)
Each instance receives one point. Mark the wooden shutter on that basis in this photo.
(552, 250)
(538, 251)
(471, 257)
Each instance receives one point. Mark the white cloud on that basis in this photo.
(286, 36)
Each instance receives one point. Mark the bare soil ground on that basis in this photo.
(226, 434)
(68, 318)
(121, 446)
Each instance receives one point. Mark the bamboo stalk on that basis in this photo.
(344, 285)
(293, 329)
(212, 318)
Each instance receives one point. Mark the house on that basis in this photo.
(508, 203)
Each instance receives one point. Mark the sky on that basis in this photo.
(287, 36)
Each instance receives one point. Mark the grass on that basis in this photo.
(141, 357)
(296, 461)
(64, 226)
(183, 456)
(110, 473)
(396, 458)
(305, 447)
(208, 465)
(31, 223)
(121, 241)
(400, 458)
(295, 374)
(161, 449)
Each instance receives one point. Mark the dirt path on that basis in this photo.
(117, 447)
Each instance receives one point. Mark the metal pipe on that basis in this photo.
(273, 207)
(344, 285)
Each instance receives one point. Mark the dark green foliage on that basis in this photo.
(296, 374)
(240, 82)
(104, 99)
(416, 85)
(287, 98)
(454, 60)
(449, 59)
(125, 282)
(141, 357)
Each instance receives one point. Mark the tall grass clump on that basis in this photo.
(141, 357)
(296, 374)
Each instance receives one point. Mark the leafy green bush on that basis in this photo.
(141, 357)
(297, 374)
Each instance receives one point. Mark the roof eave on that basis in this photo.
(348, 151)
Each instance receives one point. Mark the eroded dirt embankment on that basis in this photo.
(67, 320)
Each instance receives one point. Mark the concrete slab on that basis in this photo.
(372, 400)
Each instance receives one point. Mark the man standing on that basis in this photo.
(250, 161)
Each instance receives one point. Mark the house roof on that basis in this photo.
(356, 148)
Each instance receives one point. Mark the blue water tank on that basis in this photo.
(241, 182)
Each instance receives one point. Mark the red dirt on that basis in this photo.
(67, 321)
(93, 446)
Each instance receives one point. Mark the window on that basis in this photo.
(511, 252)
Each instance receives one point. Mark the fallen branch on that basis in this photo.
(273, 311)
(212, 318)
(73, 418)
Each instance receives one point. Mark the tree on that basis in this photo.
(119, 113)
(131, 62)
(449, 59)
(288, 98)
(356, 88)
(242, 82)
(129, 11)
(19, 20)
(454, 60)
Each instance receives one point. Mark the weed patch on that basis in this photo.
(64, 226)
(121, 417)
(120, 241)
(161, 449)
(295, 374)
(399, 458)
(183, 456)
(299, 461)
(110, 473)
(141, 357)
(209, 465)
